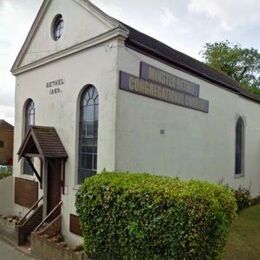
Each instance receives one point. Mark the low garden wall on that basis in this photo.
(47, 248)
(6, 195)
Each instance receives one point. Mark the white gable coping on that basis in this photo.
(30, 35)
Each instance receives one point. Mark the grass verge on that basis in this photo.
(244, 236)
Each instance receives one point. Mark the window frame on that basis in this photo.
(87, 144)
(29, 104)
(57, 28)
(239, 170)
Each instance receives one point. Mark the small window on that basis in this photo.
(240, 147)
(57, 28)
(2, 144)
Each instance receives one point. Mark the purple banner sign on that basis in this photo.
(150, 89)
(161, 77)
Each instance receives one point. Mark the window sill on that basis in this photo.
(27, 177)
(76, 187)
(240, 175)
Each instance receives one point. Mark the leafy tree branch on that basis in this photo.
(241, 64)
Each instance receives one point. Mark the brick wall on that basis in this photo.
(6, 152)
(46, 248)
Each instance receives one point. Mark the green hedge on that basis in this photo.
(4, 174)
(141, 216)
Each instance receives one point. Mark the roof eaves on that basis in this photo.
(176, 64)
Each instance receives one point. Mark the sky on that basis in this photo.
(185, 25)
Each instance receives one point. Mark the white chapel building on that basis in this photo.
(92, 93)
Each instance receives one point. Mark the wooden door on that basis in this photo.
(53, 187)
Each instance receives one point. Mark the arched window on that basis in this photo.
(240, 147)
(29, 115)
(88, 133)
(29, 120)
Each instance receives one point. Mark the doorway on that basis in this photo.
(53, 187)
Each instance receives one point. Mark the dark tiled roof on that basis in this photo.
(46, 141)
(158, 50)
(5, 125)
(49, 142)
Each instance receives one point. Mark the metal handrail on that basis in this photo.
(30, 210)
(48, 216)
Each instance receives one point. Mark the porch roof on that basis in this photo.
(43, 142)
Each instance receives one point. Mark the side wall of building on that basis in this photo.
(195, 145)
(96, 66)
(6, 152)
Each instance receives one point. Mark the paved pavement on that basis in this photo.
(7, 252)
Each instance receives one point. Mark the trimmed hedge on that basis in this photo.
(141, 216)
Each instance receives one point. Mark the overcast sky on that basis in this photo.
(185, 25)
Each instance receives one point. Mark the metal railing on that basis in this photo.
(29, 211)
(52, 211)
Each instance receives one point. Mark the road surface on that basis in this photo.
(8, 252)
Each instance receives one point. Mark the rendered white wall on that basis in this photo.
(79, 25)
(195, 145)
(95, 66)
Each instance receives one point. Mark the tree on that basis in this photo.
(242, 64)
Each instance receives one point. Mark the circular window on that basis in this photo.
(57, 28)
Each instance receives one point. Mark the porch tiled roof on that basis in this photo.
(46, 141)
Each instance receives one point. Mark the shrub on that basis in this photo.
(141, 216)
(243, 198)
